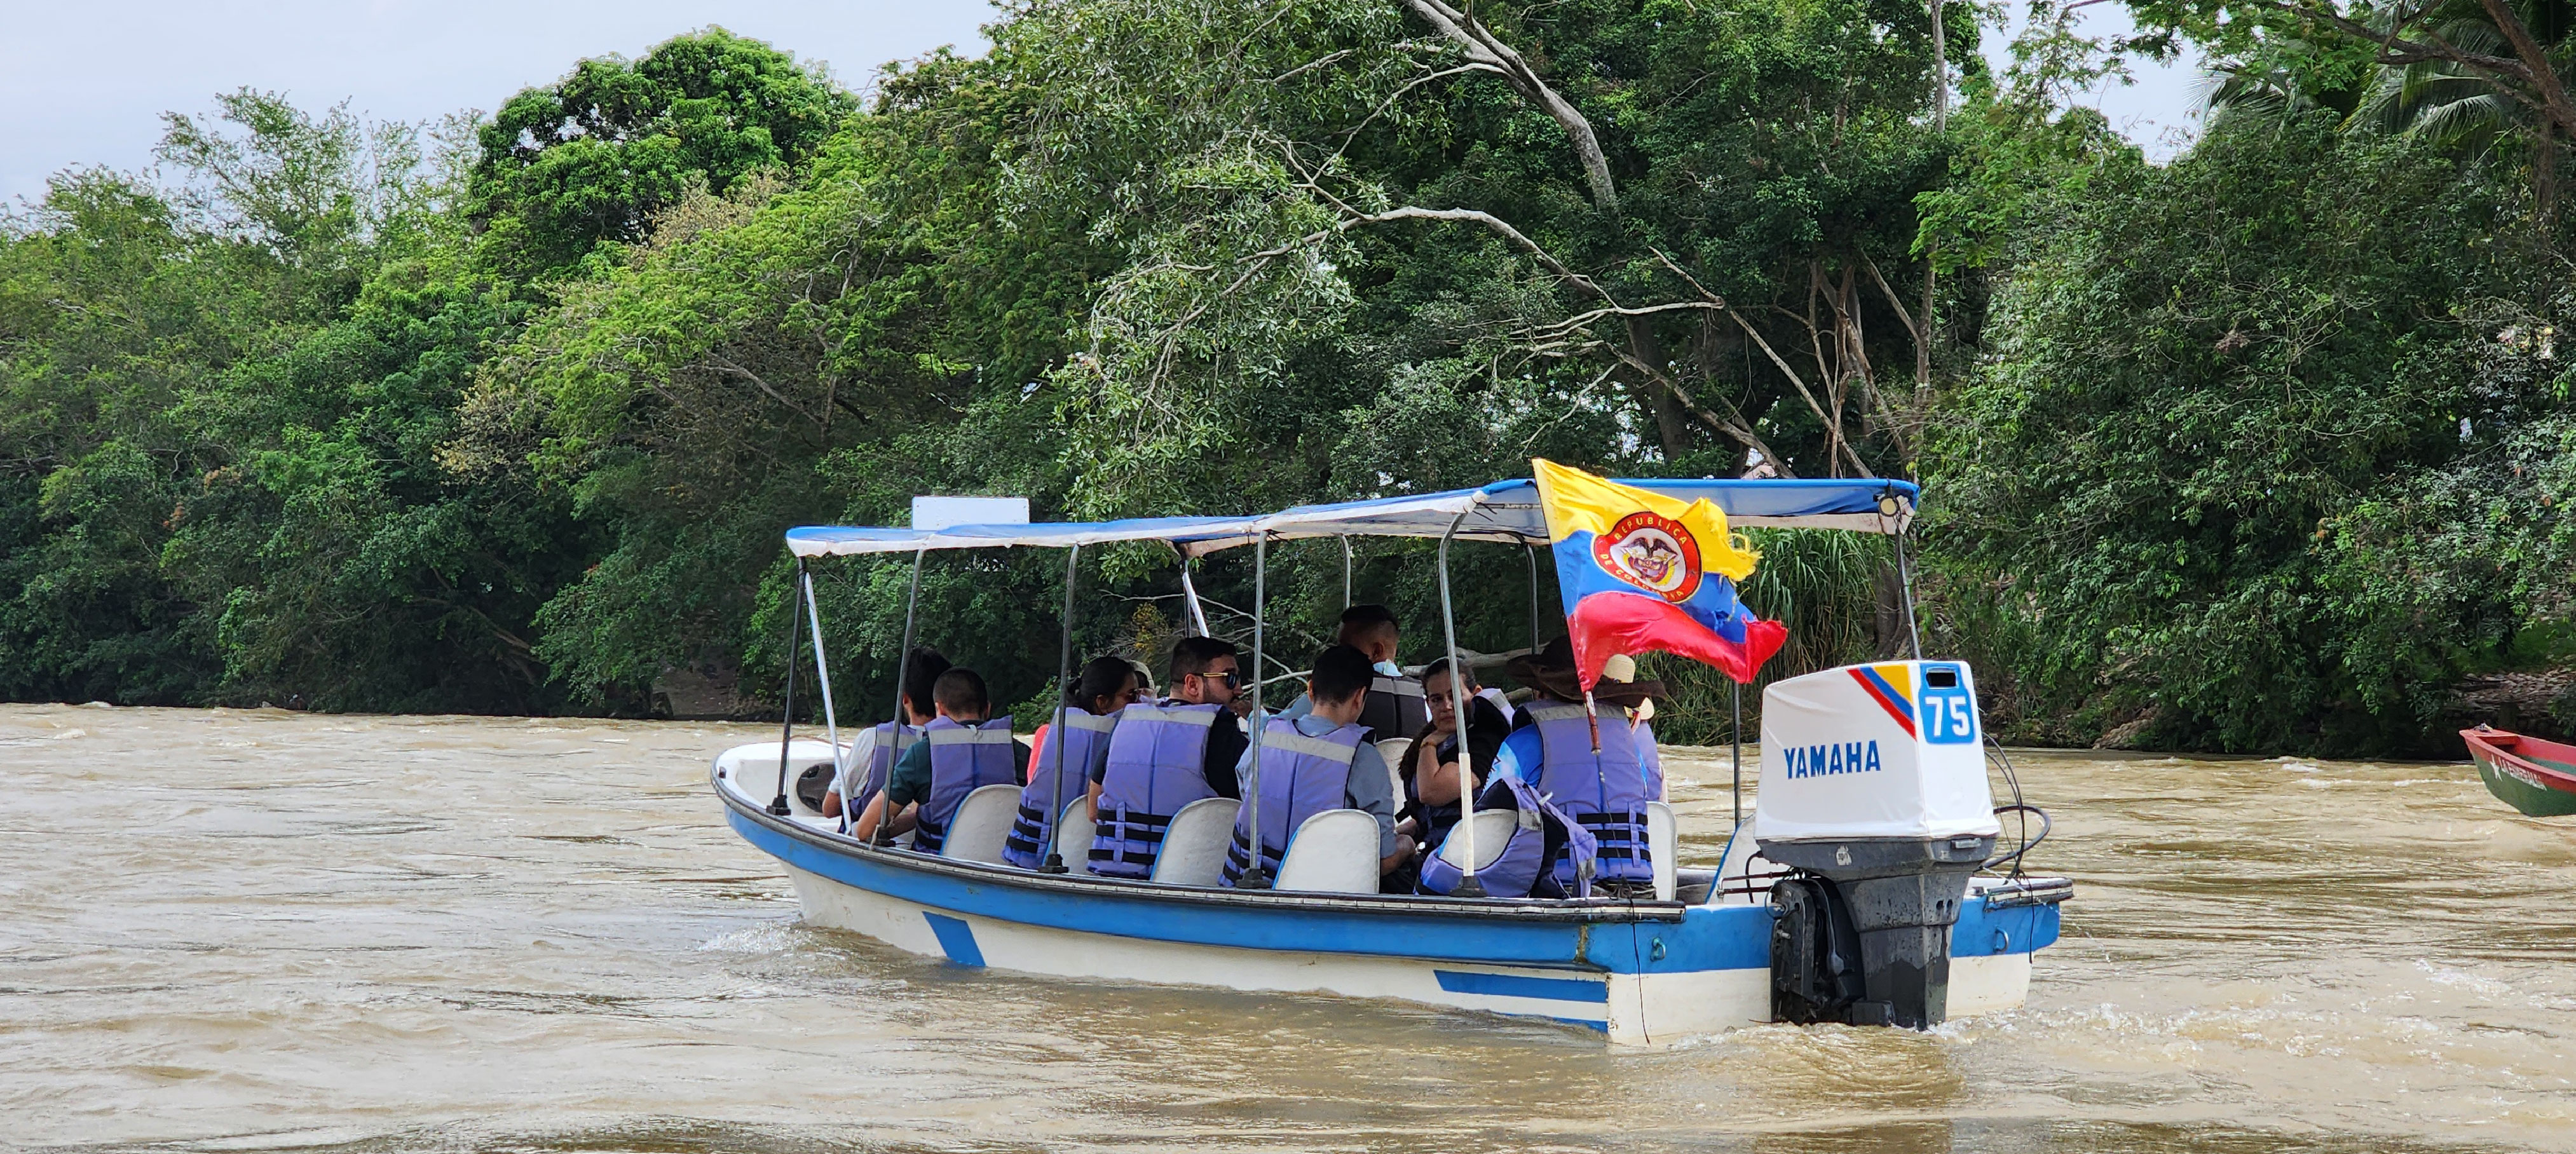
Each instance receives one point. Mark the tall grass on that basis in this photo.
(1825, 586)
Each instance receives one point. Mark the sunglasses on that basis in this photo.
(1230, 680)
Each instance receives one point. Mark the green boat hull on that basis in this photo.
(2531, 797)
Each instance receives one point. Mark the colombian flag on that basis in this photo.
(1643, 571)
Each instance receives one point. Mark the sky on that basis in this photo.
(86, 83)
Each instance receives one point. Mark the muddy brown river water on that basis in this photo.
(241, 931)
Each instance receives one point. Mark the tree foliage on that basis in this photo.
(508, 414)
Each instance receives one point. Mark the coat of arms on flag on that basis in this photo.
(1641, 571)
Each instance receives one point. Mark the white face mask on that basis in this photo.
(1388, 669)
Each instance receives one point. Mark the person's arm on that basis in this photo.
(869, 819)
(908, 783)
(1367, 791)
(863, 749)
(1435, 781)
(1020, 762)
(1229, 762)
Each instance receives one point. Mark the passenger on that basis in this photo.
(1060, 771)
(1605, 792)
(1395, 707)
(960, 753)
(1166, 755)
(1317, 762)
(872, 753)
(1430, 765)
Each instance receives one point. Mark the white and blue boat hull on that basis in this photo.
(1640, 971)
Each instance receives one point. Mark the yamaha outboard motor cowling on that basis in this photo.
(1874, 787)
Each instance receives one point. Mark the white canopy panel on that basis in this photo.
(1505, 511)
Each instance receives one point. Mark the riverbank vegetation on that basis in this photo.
(2268, 448)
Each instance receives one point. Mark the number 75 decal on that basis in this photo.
(1949, 716)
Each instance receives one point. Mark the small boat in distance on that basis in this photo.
(2534, 776)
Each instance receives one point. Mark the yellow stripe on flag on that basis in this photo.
(1578, 502)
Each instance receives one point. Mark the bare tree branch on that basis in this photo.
(1483, 47)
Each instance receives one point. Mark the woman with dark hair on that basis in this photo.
(1059, 777)
(1430, 765)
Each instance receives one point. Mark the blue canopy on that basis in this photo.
(1505, 511)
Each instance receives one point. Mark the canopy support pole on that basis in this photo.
(1254, 877)
(778, 806)
(1534, 617)
(1346, 572)
(902, 664)
(1468, 886)
(1054, 863)
(822, 670)
(1190, 595)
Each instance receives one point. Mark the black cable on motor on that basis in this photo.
(2013, 779)
(2028, 842)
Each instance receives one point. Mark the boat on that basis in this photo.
(2534, 776)
(1896, 909)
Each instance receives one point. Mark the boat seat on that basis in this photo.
(1073, 834)
(1391, 750)
(1193, 852)
(1493, 832)
(981, 824)
(751, 771)
(1663, 840)
(1333, 852)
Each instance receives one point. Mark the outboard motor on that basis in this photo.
(1874, 788)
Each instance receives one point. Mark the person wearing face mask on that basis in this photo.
(1165, 755)
(1394, 706)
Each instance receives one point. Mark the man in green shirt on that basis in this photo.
(958, 696)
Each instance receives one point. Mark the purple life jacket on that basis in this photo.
(963, 759)
(872, 780)
(1543, 837)
(1605, 793)
(1059, 775)
(1298, 777)
(1157, 763)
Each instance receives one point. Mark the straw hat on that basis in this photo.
(1552, 669)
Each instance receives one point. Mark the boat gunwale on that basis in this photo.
(1567, 910)
(2482, 745)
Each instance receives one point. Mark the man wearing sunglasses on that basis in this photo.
(1166, 755)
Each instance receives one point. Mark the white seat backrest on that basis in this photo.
(1663, 840)
(1193, 852)
(1333, 852)
(1493, 831)
(1073, 833)
(1391, 750)
(981, 824)
(751, 771)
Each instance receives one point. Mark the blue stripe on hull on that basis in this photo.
(1516, 986)
(1703, 939)
(956, 939)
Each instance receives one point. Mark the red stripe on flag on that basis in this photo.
(1604, 624)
